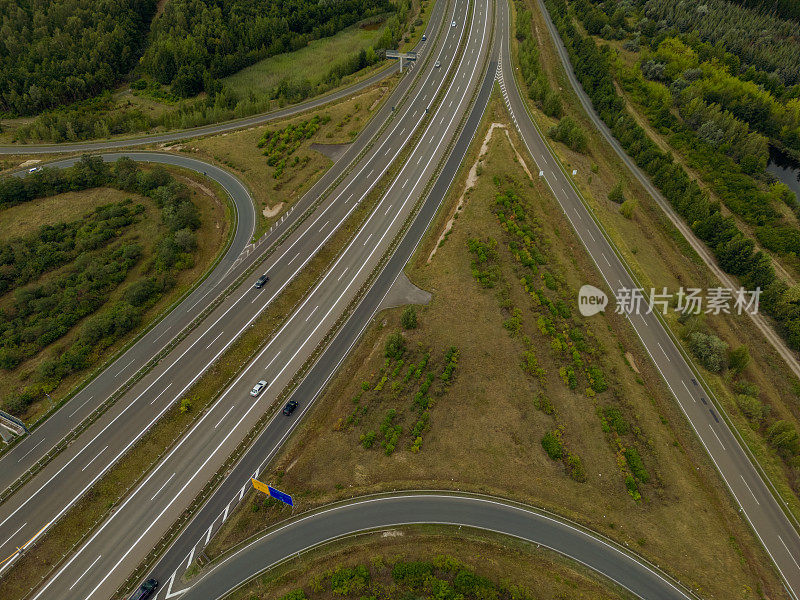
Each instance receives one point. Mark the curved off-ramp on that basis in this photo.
(21, 457)
(624, 568)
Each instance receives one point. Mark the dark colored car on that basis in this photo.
(145, 590)
(261, 281)
(289, 408)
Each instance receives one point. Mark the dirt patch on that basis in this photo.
(631, 362)
(272, 211)
(29, 163)
(472, 179)
(198, 186)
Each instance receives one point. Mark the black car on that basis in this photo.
(289, 408)
(261, 281)
(145, 590)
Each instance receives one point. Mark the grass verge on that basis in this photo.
(212, 240)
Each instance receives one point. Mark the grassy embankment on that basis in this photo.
(535, 403)
(26, 218)
(276, 187)
(661, 257)
(366, 565)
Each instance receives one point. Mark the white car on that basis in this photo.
(34, 169)
(453, 24)
(258, 388)
(438, 64)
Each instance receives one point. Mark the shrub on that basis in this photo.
(633, 489)
(627, 208)
(616, 195)
(751, 407)
(569, 132)
(616, 421)
(709, 350)
(738, 359)
(551, 442)
(409, 318)
(636, 465)
(186, 405)
(575, 468)
(368, 439)
(544, 404)
(783, 436)
(345, 581)
(412, 574)
(395, 346)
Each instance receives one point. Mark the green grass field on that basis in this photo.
(312, 62)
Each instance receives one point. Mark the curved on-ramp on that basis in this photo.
(622, 567)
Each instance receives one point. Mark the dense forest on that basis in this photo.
(55, 54)
(83, 261)
(60, 51)
(760, 40)
(786, 9)
(195, 42)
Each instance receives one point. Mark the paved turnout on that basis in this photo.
(757, 504)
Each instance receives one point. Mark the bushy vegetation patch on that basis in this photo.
(81, 263)
(443, 577)
(409, 381)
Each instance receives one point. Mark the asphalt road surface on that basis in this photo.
(216, 510)
(698, 245)
(757, 504)
(96, 569)
(30, 449)
(304, 533)
(126, 537)
(34, 448)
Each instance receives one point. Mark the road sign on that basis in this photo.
(279, 495)
(261, 487)
(272, 492)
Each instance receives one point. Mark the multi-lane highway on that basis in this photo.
(33, 450)
(126, 536)
(145, 402)
(758, 505)
(487, 514)
(430, 105)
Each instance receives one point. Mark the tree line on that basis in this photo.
(91, 265)
(734, 250)
(99, 116)
(61, 51)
